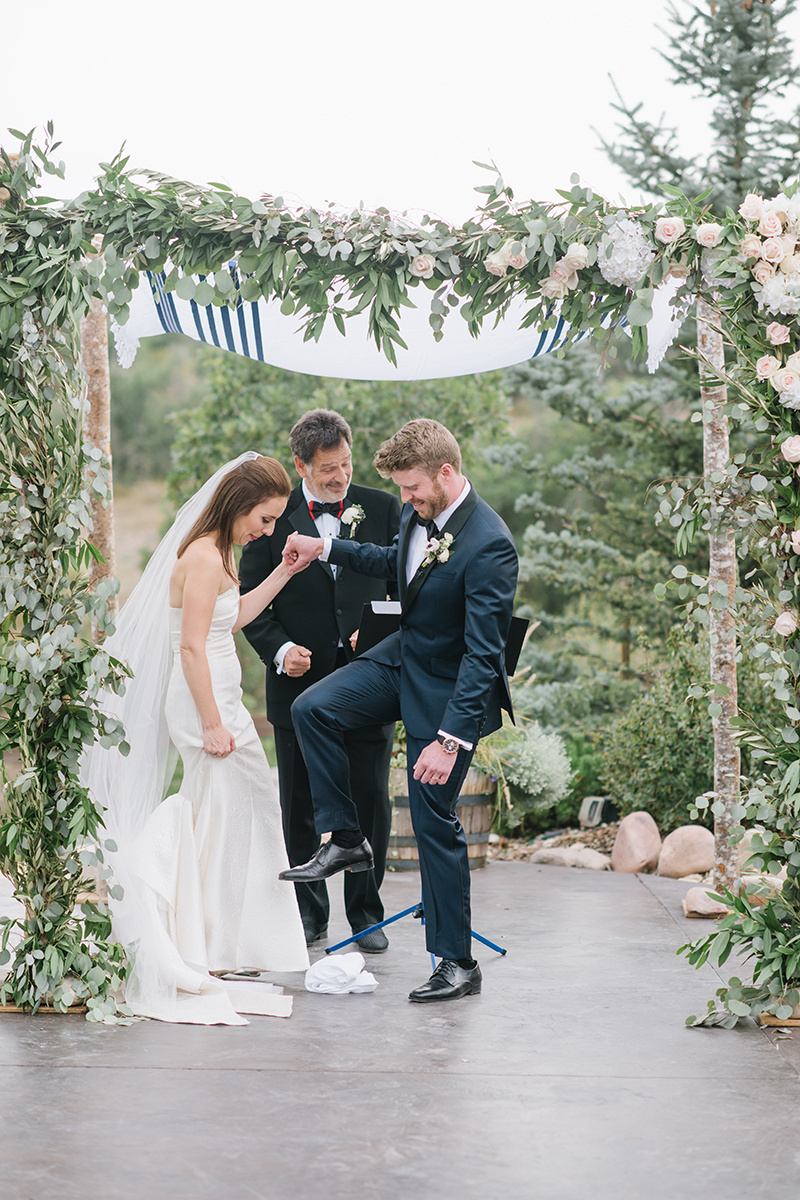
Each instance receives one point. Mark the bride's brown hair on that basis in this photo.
(247, 485)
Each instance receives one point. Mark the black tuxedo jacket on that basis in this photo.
(313, 609)
(456, 615)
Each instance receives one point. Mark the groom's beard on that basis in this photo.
(435, 503)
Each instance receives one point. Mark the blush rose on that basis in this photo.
(669, 229)
(778, 334)
(790, 448)
(786, 624)
(752, 207)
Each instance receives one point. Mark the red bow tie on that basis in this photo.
(318, 507)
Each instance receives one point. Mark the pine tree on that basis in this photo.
(737, 54)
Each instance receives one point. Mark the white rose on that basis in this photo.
(773, 250)
(495, 263)
(752, 207)
(785, 624)
(565, 274)
(793, 361)
(423, 266)
(517, 261)
(444, 555)
(577, 256)
(794, 538)
(708, 234)
(786, 380)
(762, 272)
(669, 229)
(790, 448)
(770, 225)
(767, 365)
(778, 334)
(790, 265)
(751, 246)
(553, 288)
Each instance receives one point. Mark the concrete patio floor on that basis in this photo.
(571, 1076)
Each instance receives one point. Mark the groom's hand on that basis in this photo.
(300, 550)
(434, 764)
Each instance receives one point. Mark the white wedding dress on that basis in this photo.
(194, 882)
(206, 863)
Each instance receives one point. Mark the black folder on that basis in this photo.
(381, 618)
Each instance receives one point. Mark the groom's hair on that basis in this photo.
(422, 444)
(251, 483)
(319, 429)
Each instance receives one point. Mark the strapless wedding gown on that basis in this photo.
(209, 856)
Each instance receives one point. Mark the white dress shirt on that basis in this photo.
(328, 527)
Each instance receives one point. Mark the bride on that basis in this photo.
(195, 888)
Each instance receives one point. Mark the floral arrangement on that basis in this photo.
(353, 516)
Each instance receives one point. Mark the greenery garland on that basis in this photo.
(585, 260)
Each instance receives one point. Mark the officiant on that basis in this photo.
(304, 636)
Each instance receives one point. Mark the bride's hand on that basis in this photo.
(218, 742)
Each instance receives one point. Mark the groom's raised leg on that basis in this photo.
(363, 693)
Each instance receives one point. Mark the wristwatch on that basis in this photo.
(448, 744)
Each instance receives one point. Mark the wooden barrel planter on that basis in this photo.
(475, 810)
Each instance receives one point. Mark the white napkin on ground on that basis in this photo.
(340, 974)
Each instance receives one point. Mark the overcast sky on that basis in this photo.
(353, 101)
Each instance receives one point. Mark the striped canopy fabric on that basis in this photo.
(259, 330)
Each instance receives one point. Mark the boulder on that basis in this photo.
(637, 844)
(688, 850)
(698, 903)
(576, 855)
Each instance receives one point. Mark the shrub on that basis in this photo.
(659, 755)
(538, 772)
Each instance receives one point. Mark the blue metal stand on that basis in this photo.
(418, 911)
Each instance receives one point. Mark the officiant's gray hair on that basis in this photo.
(422, 444)
(318, 429)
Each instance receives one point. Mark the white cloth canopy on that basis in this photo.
(261, 331)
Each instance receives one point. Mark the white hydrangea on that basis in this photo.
(780, 294)
(631, 254)
(790, 399)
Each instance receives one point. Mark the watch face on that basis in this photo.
(450, 745)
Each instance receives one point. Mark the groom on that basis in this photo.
(443, 673)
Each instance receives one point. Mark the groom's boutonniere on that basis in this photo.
(438, 549)
(353, 516)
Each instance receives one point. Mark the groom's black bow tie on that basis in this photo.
(431, 526)
(318, 507)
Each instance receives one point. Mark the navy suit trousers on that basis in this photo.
(368, 693)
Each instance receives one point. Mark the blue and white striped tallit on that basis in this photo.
(260, 330)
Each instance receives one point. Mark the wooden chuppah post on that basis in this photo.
(721, 583)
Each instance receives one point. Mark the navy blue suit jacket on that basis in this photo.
(454, 624)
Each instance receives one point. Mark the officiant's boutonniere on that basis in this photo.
(353, 516)
(438, 549)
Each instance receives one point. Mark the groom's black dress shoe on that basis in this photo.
(329, 859)
(448, 982)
